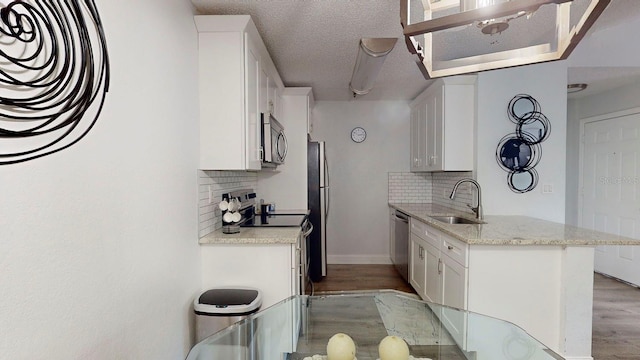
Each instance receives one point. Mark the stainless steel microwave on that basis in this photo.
(274, 141)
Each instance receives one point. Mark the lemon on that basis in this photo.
(393, 348)
(341, 347)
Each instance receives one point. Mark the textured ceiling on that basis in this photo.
(315, 43)
(601, 79)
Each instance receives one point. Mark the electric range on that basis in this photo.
(275, 220)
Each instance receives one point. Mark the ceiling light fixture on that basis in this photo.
(452, 37)
(574, 88)
(371, 55)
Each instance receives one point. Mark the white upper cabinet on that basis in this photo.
(442, 121)
(236, 75)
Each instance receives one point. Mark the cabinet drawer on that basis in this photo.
(426, 233)
(455, 249)
(419, 228)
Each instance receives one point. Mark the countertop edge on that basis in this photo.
(253, 236)
(494, 232)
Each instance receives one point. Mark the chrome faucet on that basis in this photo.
(478, 209)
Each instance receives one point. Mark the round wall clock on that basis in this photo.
(358, 134)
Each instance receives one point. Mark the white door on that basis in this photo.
(611, 191)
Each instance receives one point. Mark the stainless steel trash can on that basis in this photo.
(220, 307)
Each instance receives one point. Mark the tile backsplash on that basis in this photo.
(214, 184)
(407, 187)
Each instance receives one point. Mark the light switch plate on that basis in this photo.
(547, 188)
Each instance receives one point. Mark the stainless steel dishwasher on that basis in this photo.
(401, 244)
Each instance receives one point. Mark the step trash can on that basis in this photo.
(220, 307)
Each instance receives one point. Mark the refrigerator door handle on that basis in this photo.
(326, 171)
(327, 200)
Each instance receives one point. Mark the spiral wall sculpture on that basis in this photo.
(54, 75)
(518, 153)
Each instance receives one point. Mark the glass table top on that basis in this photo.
(301, 326)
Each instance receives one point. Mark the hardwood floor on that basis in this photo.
(616, 306)
(361, 277)
(616, 320)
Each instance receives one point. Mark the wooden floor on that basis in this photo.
(616, 320)
(616, 306)
(361, 277)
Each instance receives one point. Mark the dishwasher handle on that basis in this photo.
(402, 217)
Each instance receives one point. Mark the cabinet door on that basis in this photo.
(454, 288)
(419, 137)
(263, 95)
(436, 156)
(272, 98)
(415, 164)
(417, 268)
(454, 283)
(432, 277)
(252, 106)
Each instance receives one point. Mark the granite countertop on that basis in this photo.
(257, 235)
(510, 230)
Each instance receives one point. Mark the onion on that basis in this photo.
(393, 348)
(341, 347)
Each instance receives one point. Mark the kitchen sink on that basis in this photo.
(456, 220)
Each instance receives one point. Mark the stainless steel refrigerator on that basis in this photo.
(318, 199)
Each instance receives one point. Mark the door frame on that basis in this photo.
(583, 123)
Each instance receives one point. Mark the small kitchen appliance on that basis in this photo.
(274, 142)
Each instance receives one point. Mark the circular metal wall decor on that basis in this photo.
(54, 76)
(518, 153)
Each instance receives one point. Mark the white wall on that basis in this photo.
(98, 243)
(547, 84)
(357, 227)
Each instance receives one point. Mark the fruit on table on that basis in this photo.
(393, 348)
(341, 347)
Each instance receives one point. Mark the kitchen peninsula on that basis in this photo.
(535, 273)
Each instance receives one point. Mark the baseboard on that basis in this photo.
(578, 357)
(358, 259)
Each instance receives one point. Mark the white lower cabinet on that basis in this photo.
(272, 268)
(439, 274)
(417, 264)
(432, 292)
(454, 283)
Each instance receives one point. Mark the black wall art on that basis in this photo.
(54, 76)
(519, 152)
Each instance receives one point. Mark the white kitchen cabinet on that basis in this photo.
(272, 268)
(235, 75)
(442, 123)
(454, 282)
(432, 288)
(418, 137)
(417, 264)
(439, 274)
(438, 266)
